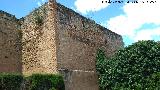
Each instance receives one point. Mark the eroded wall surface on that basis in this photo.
(54, 38)
(79, 40)
(10, 43)
(38, 41)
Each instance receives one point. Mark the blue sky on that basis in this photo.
(134, 21)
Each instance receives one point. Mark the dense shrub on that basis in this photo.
(130, 68)
(46, 82)
(10, 81)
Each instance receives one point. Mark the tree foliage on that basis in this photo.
(132, 67)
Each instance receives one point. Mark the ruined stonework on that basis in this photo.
(79, 39)
(55, 39)
(10, 44)
(38, 43)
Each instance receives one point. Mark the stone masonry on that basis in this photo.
(55, 39)
(10, 44)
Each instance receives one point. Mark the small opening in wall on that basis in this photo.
(6, 57)
(105, 41)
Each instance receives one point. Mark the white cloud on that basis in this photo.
(136, 15)
(85, 6)
(147, 34)
(122, 25)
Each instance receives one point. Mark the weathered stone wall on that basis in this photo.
(38, 54)
(10, 43)
(54, 38)
(80, 80)
(79, 39)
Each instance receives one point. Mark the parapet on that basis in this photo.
(7, 16)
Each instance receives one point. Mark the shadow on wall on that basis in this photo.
(10, 44)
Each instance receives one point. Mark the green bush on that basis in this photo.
(46, 82)
(10, 81)
(130, 68)
(38, 20)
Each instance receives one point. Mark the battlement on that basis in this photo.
(7, 16)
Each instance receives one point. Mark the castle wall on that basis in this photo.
(38, 43)
(79, 40)
(10, 43)
(54, 38)
(80, 80)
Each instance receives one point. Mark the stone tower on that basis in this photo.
(55, 39)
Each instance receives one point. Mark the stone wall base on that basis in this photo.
(80, 80)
